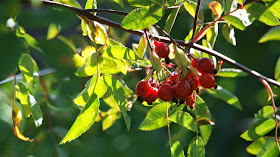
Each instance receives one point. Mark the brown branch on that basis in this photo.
(87, 14)
(196, 17)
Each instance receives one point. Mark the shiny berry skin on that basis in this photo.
(168, 82)
(182, 90)
(143, 88)
(152, 96)
(207, 80)
(165, 92)
(194, 83)
(191, 100)
(205, 65)
(153, 84)
(161, 49)
(194, 62)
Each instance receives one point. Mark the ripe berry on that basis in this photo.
(173, 77)
(162, 49)
(190, 101)
(143, 88)
(165, 92)
(152, 96)
(194, 83)
(205, 65)
(194, 62)
(190, 76)
(207, 80)
(153, 84)
(168, 82)
(182, 90)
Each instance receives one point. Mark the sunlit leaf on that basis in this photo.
(36, 111)
(231, 72)
(143, 18)
(22, 94)
(171, 19)
(120, 2)
(230, 5)
(181, 61)
(84, 120)
(91, 4)
(212, 34)
(201, 108)
(142, 46)
(78, 60)
(27, 67)
(176, 149)
(234, 21)
(273, 6)
(138, 3)
(258, 129)
(196, 148)
(190, 6)
(216, 8)
(116, 89)
(242, 14)
(261, 13)
(17, 116)
(184, 119)
(277, 69)
(272, 34)
(111, 116)
(205, 132)
(90, 66)
(32, 42)
(67, 41)
(255, 147)
(229, 34)
(264, 112)
(53, 30)
(95, 85)
(96, 32)
(225, 95)
(155, 63)
(269, 149)
(241, 1)
(119, 52)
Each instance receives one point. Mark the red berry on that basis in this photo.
(143, 88)
(194, 83)
(207, 80)
(152, 96)
(190, 101)
(168, 82)
(190, 76)
(153, 84)
(173, 77)
(165, 92)
(161, 49)
(194, 62)
(182, 90)
(205, 65)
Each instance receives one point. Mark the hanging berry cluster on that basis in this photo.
(176, 88)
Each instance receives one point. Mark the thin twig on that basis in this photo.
(110, 23)
(196, 17)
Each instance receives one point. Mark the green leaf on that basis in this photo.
(225, 95)
(142, 46)
(196, 148)
(236, 22)
(143, 18)
(242, 14)
(91, 4)
(272, 34)
(141, 3)
(111, 116)
(22, 94)
(84, 120)
(171, 19)
(212, 34)
(264, 112)
(116, 90)
(181, 60)
(231, 72)
(273, 6)
(241, 1)
(36, 111)
(229, 5)
(53, 30)
(255, 147)
(27, 66)
(228, 33)
(176, 149)
(109, 66)
(184, 119)
(120, 2)
(31, 41)
(269, 149)
(90, 66)
(119, 52)
(205, 132)
(155, 62)
(201, 108)
(190, 6)
(155, 118)
(258, 129)
(95, 84)
(277, 69)
(261, 13)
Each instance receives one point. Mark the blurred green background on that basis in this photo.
(60, 112)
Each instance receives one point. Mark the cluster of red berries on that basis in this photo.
(179, 90)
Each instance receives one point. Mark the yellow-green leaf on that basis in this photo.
(270, 149)
(84, 120)
(196, 148)
(255, 147)
(27, 66)
(216, 8)
(264, 112)
(142, 46)
(176, 149)
(272, 34)
(184, 119)
(53, 30)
